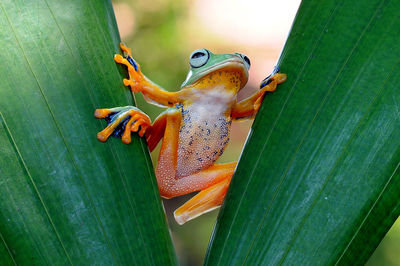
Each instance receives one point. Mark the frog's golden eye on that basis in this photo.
(199, 58)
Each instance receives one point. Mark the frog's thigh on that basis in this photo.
(167, 159)
(206, 200)
(203, 179)
(168, 184)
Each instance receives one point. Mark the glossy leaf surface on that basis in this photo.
(65, 197)
(318, 182)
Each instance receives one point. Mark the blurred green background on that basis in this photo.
(163, 33)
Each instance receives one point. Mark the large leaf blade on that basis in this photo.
(19, 201)
(100, 200)
(311, 188)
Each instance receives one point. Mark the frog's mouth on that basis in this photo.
(231, 65)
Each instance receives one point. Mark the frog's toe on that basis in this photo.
(126, 58)
(274, 76)
(125, 49)
(124, 61)
(102, 113)
(280, 77)
(121, 121)
(119, 58)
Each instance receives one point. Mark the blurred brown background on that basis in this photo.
(163, 33)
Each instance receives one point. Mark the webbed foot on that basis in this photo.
(205, 201)
(269, 84)
(274, 76)
(136, 78)
(121, 121)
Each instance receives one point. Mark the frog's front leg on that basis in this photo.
(140, 83)
(249, 107)
(212, 181)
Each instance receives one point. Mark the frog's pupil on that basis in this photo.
(247, 60)
(197, 55)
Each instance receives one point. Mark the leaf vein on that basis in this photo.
(34, 184)
(7, 248)
(369, 212)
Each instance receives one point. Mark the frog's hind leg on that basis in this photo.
(207, 199)
(167, 159)
(212, 181)
(121, 121)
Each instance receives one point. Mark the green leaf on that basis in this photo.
(65, 197)
(319, 181)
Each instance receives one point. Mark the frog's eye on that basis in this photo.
(245, 59)
(199, 58)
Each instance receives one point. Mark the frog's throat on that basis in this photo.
(232, 64)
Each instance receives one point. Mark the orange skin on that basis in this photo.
(194, 132)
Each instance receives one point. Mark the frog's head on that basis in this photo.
(204, 63)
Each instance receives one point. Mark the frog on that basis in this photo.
(194, 129)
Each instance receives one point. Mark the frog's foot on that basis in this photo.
(135, 75)
(270, 82)
(121, 121)
(205, 201)
(211, 196)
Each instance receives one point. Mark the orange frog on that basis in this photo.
(194, 129)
